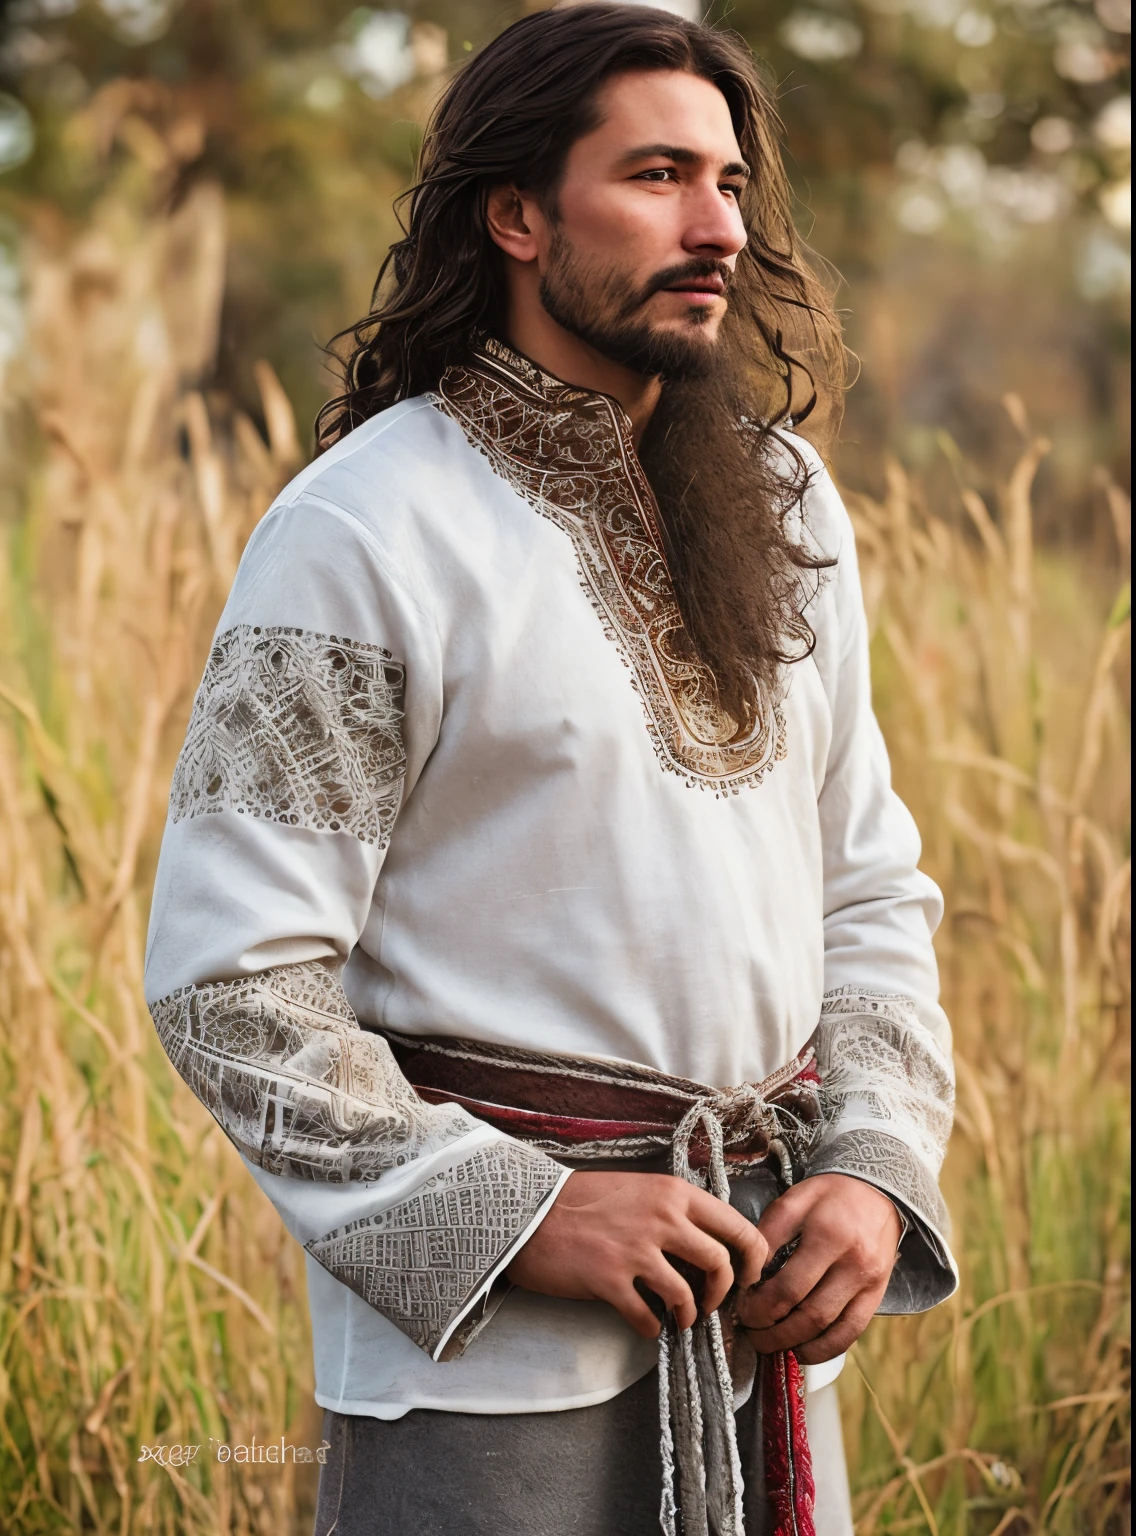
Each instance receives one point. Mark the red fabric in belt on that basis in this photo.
(580, 1108)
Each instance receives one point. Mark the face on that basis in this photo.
(638, 258)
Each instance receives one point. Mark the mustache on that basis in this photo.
(669, 277)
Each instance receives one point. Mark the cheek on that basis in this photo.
(610, 219)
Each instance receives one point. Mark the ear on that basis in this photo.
(514, 222)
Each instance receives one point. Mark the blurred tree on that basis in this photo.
(964, 163)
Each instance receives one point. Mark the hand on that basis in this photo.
(608, 1230)
(821, 1301)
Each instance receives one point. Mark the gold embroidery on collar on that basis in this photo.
(568, 453)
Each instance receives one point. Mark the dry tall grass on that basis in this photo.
(1007, 1410)
(148, 1295)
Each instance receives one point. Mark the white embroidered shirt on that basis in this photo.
(444, 774)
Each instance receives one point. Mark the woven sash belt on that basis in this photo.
(585, 1111)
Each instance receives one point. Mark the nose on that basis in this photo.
(714, 225)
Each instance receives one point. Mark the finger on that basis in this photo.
(711, 1258)
(783, 1218)
(719, 1282)
(767, 1304)
(708, 1255)
(748, 1244)
(672, 1289)
(842, 1334)
(814, 1315)
(634, 1310)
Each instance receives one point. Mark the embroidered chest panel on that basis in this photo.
(568, 453)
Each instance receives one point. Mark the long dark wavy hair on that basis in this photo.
(510, 116)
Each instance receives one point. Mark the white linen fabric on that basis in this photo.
(445, 775)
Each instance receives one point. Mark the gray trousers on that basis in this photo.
(580, 1472)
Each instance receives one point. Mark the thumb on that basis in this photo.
(783, 1219)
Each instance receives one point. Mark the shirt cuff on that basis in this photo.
(434, 1263)
(925, 1272)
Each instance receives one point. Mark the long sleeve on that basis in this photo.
(883, 1043)
(320, 703)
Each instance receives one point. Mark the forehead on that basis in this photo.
(660, 107)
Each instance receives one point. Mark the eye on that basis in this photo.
(658, 174)
(733, 187)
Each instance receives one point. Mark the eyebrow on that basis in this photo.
(681, 157)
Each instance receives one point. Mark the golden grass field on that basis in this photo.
(148, 1294)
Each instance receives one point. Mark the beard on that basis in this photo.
(604, 306)
(741, 580)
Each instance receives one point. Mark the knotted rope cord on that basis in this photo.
(696, 1393)
(702, 1479)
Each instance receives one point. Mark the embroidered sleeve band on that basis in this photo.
(281, 1063)
(295, 727)
(428, 1261)
(888, 1105)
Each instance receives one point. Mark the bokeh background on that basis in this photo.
(194, 196)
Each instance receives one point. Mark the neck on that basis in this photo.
(533, 331)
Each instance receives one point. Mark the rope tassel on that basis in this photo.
(703, 1490)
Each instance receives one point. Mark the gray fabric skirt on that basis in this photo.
(580, 1472)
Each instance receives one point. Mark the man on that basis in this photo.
(534, 911)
